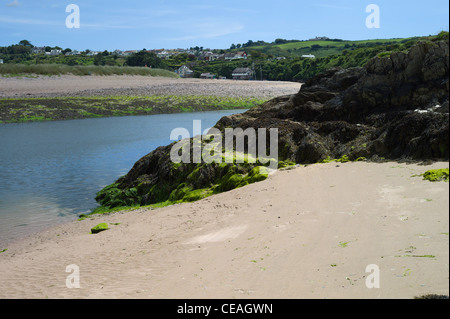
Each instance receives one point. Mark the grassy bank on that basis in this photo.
(13, 110)
(61, 69)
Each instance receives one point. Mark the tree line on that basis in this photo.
(265, 64)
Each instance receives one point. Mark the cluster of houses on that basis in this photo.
(319, 39)
(184, 71)
(237, 74)
(42, 50)
(206, 55)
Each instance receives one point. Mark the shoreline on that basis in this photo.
(114, 85)
(307, 232)
(303, 233)
(22, 110)
(78, 97)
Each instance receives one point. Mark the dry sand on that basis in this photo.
(68, 85)
(304, 233)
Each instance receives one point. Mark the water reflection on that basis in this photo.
(50, 172)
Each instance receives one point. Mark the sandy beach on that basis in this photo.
(70, 85)
(309, 232)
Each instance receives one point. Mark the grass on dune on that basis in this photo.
(61, 69)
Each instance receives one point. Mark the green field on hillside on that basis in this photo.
(322, 48)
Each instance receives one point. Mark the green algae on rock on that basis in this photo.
(183, 183)
(436, 175)
(394, 108)
(13, 110)
(99, 228)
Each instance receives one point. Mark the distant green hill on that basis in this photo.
(328, 54)
(320, 48)
(281, 60)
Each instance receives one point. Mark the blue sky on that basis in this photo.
(152, 24)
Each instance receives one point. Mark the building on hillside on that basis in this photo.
(38, 50)
(93, 53)
(242, 74)
(228, 56)
(209, 56)
(320, 39)
(54, 52)
(129, 52)
(163, 54)
(1, 61)
(184, 72)
(235, 56)
(241, 55)
(309, 56)
(73, 52)
(207, 76)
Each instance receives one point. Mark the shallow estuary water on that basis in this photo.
(51, 171)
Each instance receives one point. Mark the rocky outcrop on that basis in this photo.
(396, 107)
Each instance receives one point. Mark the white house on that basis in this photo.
(309, 56)
(184, 72)
(210, 56)
(73, 52)
(54, 52)
(1, 61)
(235, 56)
(93, 53)
(242, 74)
(163, 55)
(242, 55)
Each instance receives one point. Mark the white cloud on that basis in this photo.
(15, 3)
(239, 10)
(30, 21)
(163, 13)
(36, 22)
(209, 30)
(332, 6)
(104, 26)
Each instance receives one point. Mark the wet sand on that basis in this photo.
(310, 232)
